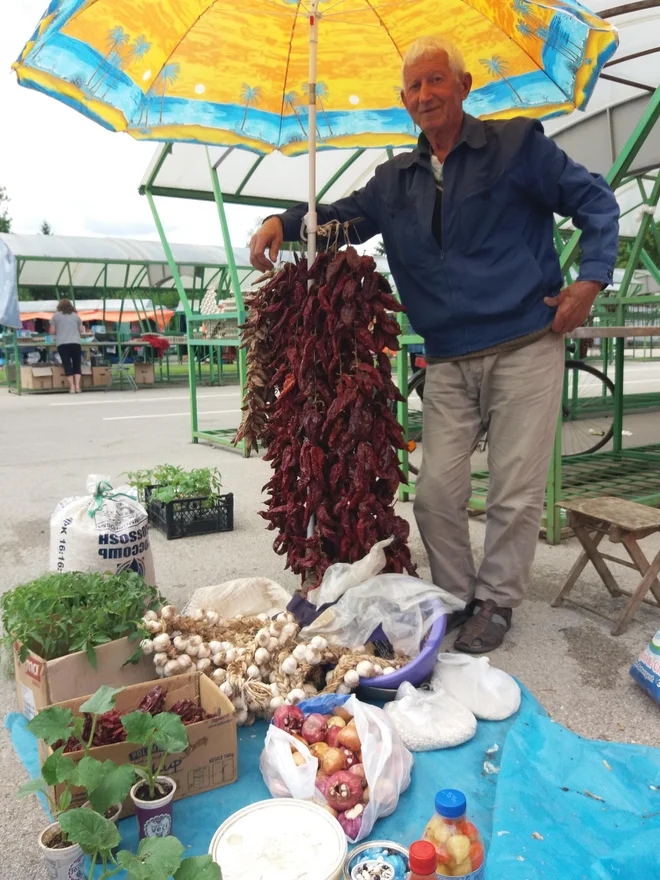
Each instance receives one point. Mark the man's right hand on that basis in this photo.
(268, 238)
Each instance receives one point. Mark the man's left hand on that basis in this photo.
(573, 305)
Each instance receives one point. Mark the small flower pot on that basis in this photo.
(154, 818)
(63, 862)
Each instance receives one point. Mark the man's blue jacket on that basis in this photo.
(485, 285)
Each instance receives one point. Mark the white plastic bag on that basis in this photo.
(490, 693)
(343, 575)
(106, 530)
(250, 595)
(387, 762)
(429, 720)
(405, 607)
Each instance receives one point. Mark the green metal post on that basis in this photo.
(617, 419)
(17, 361)
(554, 490)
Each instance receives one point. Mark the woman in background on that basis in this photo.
(66, 326)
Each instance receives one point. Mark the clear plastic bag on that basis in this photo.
(490, 693)
(343, 575)
(387, 762)
(405, 607)
(250, 595)
(429, 720)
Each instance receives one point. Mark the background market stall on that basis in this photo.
(131, 283)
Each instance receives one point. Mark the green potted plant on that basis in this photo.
(181, 502)
(153, 794)
(106, 784)
(157, 858)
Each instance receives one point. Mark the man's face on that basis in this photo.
(433, 94)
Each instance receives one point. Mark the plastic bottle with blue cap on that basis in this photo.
(458, 846)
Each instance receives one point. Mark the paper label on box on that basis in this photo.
(29, 708)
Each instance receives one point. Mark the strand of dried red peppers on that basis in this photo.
(320, 397)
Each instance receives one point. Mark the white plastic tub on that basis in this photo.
(278, 840)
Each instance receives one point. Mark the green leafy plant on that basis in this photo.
(59, 614)
(105, 783)
(165, 731)
(157, 858)
(171, 482)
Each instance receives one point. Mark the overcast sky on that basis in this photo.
(59, 166)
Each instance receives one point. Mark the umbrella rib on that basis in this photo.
(286, 69)
(387, 31)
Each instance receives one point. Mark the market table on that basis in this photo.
(552, 805)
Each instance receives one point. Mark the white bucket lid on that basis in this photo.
(278, 840)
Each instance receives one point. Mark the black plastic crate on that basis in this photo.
(184, 517)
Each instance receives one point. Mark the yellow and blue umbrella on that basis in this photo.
(237, 72)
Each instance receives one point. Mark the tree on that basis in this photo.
(168, 75)
(46, 228)
(498, 66)
(116, 40)
(379, 250)
(322, 93)
(250, 97)
(5, 219)
(290, 100)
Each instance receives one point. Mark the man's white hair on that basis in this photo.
(428, 47)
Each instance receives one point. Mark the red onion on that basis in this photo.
(358, 770)
(289, 718)
(351, 821)
(344, 791)
(333, 736)
(351, 758)
(322, 782)
(314, 728)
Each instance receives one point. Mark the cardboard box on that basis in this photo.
(36, 378)
(40, 683)
(144, 374)
(86, 381)
(86, 370)
(59, 379)
(211, 759)
(100, 376)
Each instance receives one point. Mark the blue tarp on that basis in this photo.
(560, 808)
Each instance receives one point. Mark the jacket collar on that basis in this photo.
(472, 134)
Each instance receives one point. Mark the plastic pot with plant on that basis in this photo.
(106, 784)
(157, 858)
(153, 794)
(168, 482)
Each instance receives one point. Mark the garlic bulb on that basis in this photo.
(261, 656)
(160, 659)
(149, 615)
(180, 643)
(313, 657)
(212, 618)
(203, 651)
(289, 666)
(300, 652)
(264, 672)
(343, 689)
(272, 677)
(310, 690)
(219, 676)
(198, 614)
(162, 642)
(389, 670)
(160, 671)
(203, 664)
(191, 650)
(364, 669)
(253, 672)
(289, 630)
(219, 658)
(239, 702)
(275, 689)
(238, 616)
(196, 641)
(262, 638)
(264, 618)
(329, 676)
(352, 678)
(319, 643)
(275, 629)
(297, 695)
(276, 702)
(185, 662)
(147, 646)
(227, 689)
(230, 655)
(273, 644)
(215, 646)
(172, 667)
(154, 626)
(242, 717)
(282, 617)
(240, 652)
(167, 612)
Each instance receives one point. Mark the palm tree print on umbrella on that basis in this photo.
(136, 52)
(322, 93)
(290, 100)
(554, 35)
(250, 97)
(498, 67)
(167, 77)
(116, 40)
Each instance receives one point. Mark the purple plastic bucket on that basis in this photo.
(154, 818)
(419, 669)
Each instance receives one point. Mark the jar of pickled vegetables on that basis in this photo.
(457, 843)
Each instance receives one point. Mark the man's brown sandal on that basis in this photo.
(485, 630)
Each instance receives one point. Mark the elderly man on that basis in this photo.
(467, 223)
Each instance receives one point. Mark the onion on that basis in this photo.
(351, 757)
(298, 759)
(344, 791)
(335, 721)
(314, 728)
(333, 735)
(330, 810)
(342, 712)
(318, 749)
(358, 770)
(322, 782)
(289, 718)
(332, 761)
(365, 795)
(348, 736)
(351, 821)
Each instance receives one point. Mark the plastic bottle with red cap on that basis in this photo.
(422, 861)
(457, 843)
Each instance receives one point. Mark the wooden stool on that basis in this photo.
(624, 522)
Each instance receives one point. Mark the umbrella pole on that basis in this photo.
(311, 137)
